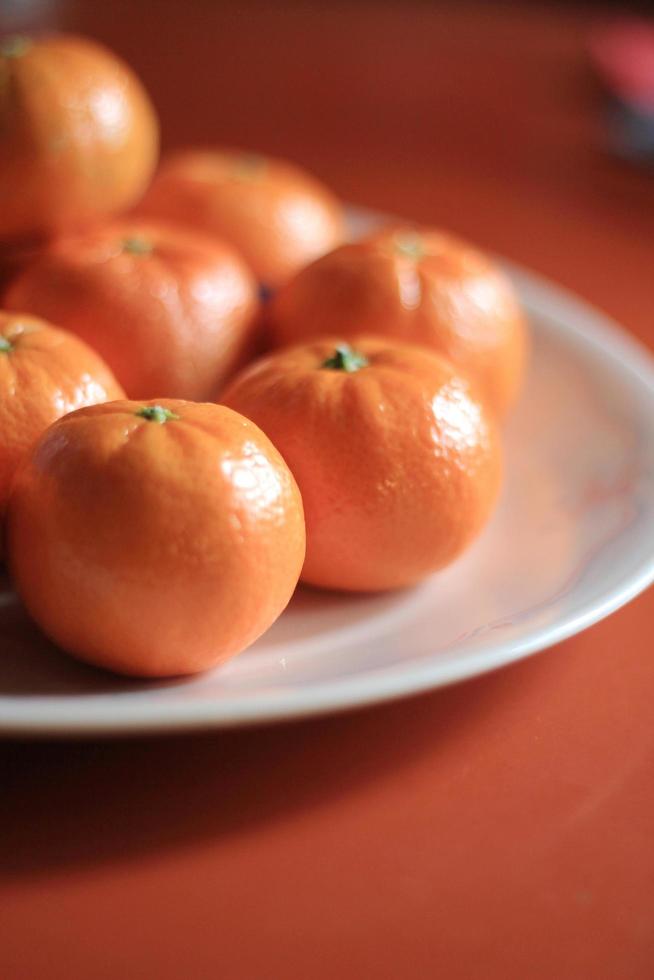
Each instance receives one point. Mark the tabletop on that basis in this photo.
(498, 829)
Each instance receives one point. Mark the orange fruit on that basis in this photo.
(44, 373)
(171, 311)
(398, 463)
(155, 539)
(423, 287)
(277, 215)
(80, 138)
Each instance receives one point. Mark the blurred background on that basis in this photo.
(521, 125)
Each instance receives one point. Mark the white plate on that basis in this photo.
(572, 540)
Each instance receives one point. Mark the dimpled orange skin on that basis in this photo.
(398, 464)
(419, 286)
(80, 138)
(277, 215)
(155, 547)
(171, 311)
(44, 373)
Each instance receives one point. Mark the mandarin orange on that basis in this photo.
(277, 215)
(397, 461)
(44, 373)
(171, 311)
(155, 539)
(80, 137)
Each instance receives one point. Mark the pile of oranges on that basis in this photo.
(206, 393)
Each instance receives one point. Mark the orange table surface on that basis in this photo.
(500, 829)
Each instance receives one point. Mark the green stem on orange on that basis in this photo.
(345, 359)
(15, 46)
(136, 246)
(248, 165)
(5, 345)
(156, 413)
(410, 244)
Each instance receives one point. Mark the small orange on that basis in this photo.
(80, 138)
(425, 287)
(276, 214)
(44, 373)
(172, 312)
(397, 462)
(155, 539)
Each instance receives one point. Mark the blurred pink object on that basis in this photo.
(623, 54)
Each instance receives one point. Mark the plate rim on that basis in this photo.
(101, 715)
